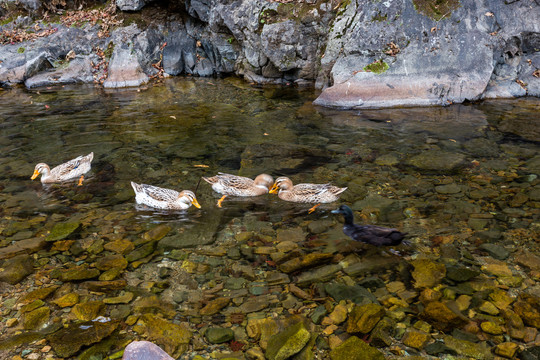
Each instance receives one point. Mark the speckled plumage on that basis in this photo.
(161, 198)
(368, 234)
(306, 193)
(234, 185)
(66, 171)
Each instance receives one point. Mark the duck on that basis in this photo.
(306, 193)
(161, 198)
(369, 234)
(234, 185)
(69, 170)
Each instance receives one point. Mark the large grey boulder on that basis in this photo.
(130, 5)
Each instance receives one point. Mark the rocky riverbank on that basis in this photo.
(361, 54)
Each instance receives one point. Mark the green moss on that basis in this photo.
(436, 9)
(379, 17)
(20, 50)
(377, 67)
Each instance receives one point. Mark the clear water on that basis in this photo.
(173, 133)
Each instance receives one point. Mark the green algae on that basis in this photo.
(377, 67)
(436, 9)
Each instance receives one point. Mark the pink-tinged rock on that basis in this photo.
(144, 350)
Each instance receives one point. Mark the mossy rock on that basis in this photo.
(355, 349)
(62, 231)
(377, 67)
(436, 9)
(219, 335)
(35, 319)
(288, 342)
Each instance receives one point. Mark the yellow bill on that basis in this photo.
(273, 189)
(196, 203)
(35, 175)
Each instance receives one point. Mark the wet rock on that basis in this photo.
(152, 304)
(156, 233)
(214, 306)
(64, 230)
(427, 273)
(528, 308)
(200, 234)
(26, 246)
(141, 350)
(15, 269)
(67, 300)
(356, 294)
(488, 308)
(318, 314)
(38, 294)
(121, 246)
(288, 342)
(320, 274)
(319, 226)
(437, 160)
(123, 298)
(104, 286)
(438, 348)
(87, 311)
(371, 265)
(363, 318)
(36, 319)
(506, 349)
(67, 341)
(75, 273)
(355, 349)
(452, 188)
(460, 273)
(416, 339)
(496, 251)
(217, 335)
(77, 71)
(500, 299)
(479, 351)
(111, 262)
(338, 315)
(141, 252)
(172, 337)
(529, 260)
(442, 317)
(307, 261)
(295, 235)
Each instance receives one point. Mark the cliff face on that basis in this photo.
(360, 53)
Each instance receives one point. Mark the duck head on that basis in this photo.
(188, 197)
(40, 168)
(264, 180)
(346, 212)
(282, 183)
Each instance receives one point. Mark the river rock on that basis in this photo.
(528, 308)
(64, 230)
(496, 251)
(363, 318)
(416, 339)
(288, 342)
(460, 273)
(355, 293)
(122, 246)
(217, 335)
(480, 351)
(75, 273)
(36, 319)
(111, 262)
(172, 337)
(437, 160)
(442, 317)
(78, 71)
(67, 300)
(355, 349)
(214, 306)
(142, 350)
(38, 294)
(130, 5)
(26, 246)
(426, 273)
(506, 349)
(67, 341)
(17, 268)
(88, 310)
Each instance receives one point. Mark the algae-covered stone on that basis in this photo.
(500, 299)
(62, 231)
(528, 308)
(35, 319)
(14, 270)
(491, 327)
(157, 233)
(427, 273)
(288, 342)
(437, 160)
(363, 318)
(111, 262)
(218, 335)
(67, 300)
(123, 298)
(172, 337)
(480, 351)
(75, 273)
(442, 317)
(355, 349)
(460, 273)
(416, 339)
(489, 308)
(87, 311)
(355, 293)
(214, 306)
(506, 349)
(40, 294)
(70, 339)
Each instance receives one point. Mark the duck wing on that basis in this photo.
(73, 165)
(156, 193)
(374, 235)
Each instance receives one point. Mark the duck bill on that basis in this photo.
(335, 211)
(35, 175)
(274, 189)
(196, 203)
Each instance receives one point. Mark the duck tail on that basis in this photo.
(135, 186)
(90, 156)
(210, 180)
(341, 190)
